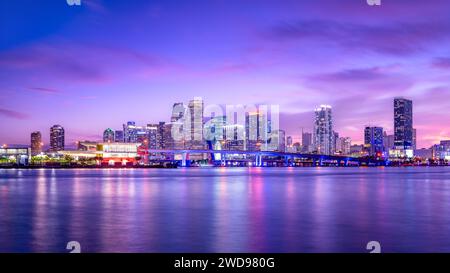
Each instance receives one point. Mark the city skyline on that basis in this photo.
(62, 70)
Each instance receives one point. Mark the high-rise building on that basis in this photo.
(178, 111)
(388, 142)
(56, 138)
(323, 135)
(130, 132)
(232, 141)
(108, 135)
(257, 131)
(306, 142)
(414, 139)
(277, 141)
(194, 134)
(36, 143)
(335, 141)
(118, 136)
(160, 141)
(152, 136)
(343, 145)
(403, 124)
(289, 141)
(373, 140)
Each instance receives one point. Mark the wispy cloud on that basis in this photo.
(392, 38)
(44, 90)
(441, 62)
(13, 114)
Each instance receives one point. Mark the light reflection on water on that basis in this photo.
(226, 209)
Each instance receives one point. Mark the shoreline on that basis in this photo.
(201, 167)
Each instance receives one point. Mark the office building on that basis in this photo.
(36, 143)
(403, 124)
(373, 140)
(108, 135)
(118, 136)
(57, 138)
(323, 135)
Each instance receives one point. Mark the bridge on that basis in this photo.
(258, 157)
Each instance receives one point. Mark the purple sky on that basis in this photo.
(104, 63)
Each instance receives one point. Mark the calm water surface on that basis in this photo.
(226, 209)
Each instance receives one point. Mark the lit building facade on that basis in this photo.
(36, 143)
(373, 140)
(307, 146)
(118, 136)
(403, 124)
(323, 135)
(57, 141)
(108, 135)
(194, 125)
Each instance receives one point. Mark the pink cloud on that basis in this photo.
(13, 114)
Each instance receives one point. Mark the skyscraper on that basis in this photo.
(306, 142)
(403, 124)
(414, 139)
(152, 136)
(323, 130)
(118, 136)
(195, 138)
(178, 111)
(388, 142)
(130, 132)
(108, 135)
(289, 141)
(373, 140)
(56, 138)
(36, 143)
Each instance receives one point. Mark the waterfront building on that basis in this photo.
(414, 139)
(15, 154)
(335, 142)
(277, 141)
(323, 135)
(343, 145)
(307, 146)
(160, 141)
(388, 141)
(87, 145)
(232, 139)
(152, 136)
(215, 133)
(289, 141)
(108, 135)
(178, 111)
(257, 130)
(36, 143)
(119, 136)
(130, 132)
(357, 151)
(373, 140)
(57, 138)
(424, 153)
(194, 131)
(403, 124)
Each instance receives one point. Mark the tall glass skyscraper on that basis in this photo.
(56, 138)
(403, 124)
(323, 135)
(195, 138)
(108, 135)
(130, 132)
(36, 143)
(373, 140)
